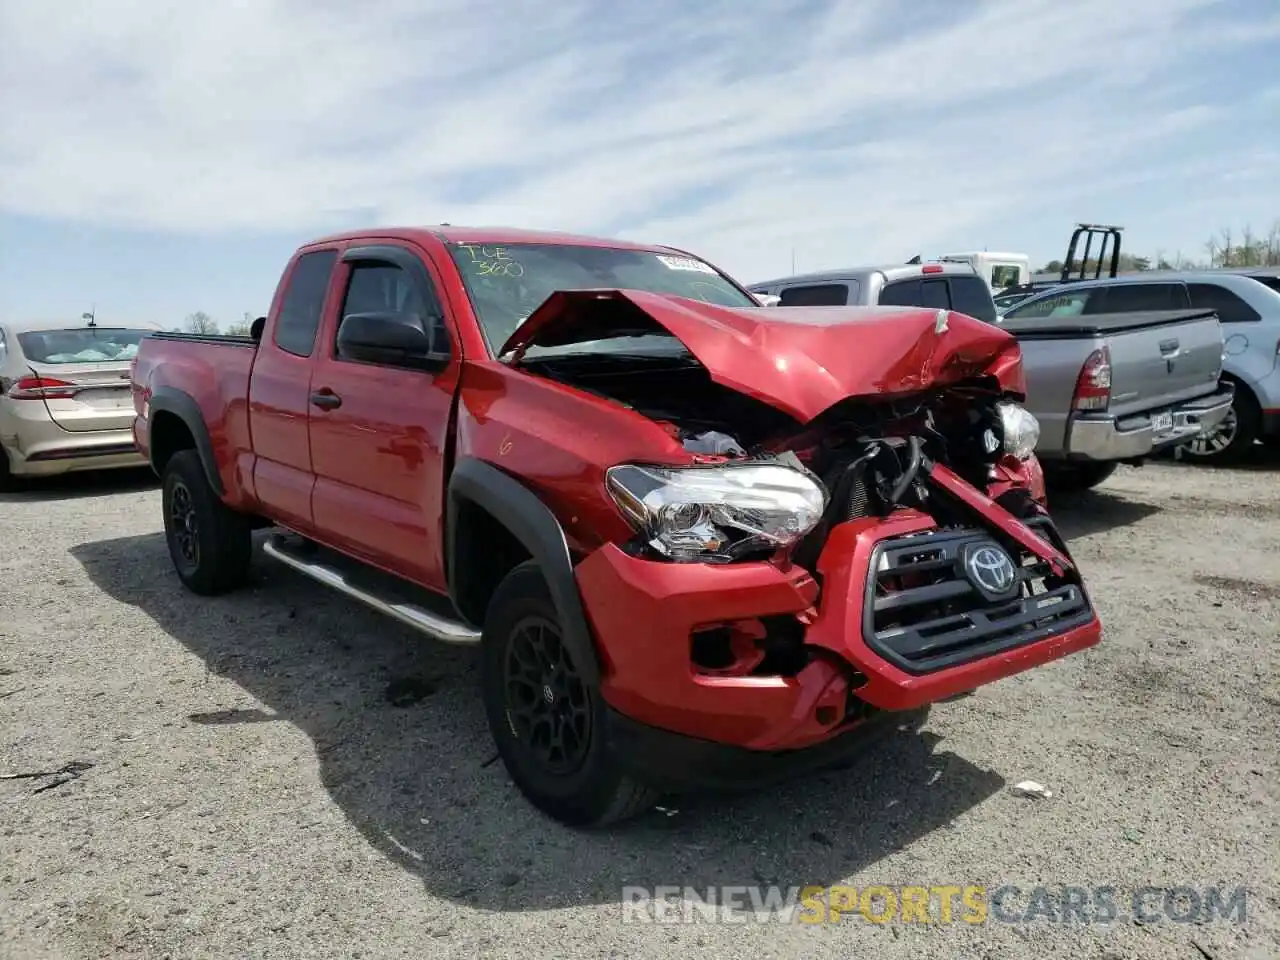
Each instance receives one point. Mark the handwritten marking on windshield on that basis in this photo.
(492, 261)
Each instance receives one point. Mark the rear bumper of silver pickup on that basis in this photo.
(1102, 437)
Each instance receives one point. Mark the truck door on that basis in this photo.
(378, 429)
(279, 387)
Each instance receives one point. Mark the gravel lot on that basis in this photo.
(284, 774)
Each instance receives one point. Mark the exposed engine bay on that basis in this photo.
(867, 452)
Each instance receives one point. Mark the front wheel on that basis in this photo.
(210, 544)
(546, 719)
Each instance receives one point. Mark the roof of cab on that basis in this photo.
(449, 233)
(891, 271)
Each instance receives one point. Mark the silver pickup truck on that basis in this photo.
(1107, 389)
(1117, 387)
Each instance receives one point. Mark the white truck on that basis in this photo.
(999, 270)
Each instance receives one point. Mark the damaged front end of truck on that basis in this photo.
(858, 527)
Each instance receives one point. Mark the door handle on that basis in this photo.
(1169, 346)
(326, 399)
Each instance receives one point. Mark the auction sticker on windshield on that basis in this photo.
(685, 263)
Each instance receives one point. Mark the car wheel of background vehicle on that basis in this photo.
(547, 721)
(209, 543)
(1077, 477)
(8, 482)
(1233, 437)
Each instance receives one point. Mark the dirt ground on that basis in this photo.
(282, 773)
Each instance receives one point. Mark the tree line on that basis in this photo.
(1226, 248)
(201, 322)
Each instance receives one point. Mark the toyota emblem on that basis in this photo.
(990, 569)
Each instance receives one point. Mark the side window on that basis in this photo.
(303, 301)
(1070, 303)
(379, 287)
(904, 293)
(1230, 308)
(1133, 297)
(817, 295)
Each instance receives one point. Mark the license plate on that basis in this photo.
(1162, 422)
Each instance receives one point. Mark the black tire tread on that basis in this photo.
(226, 545)
(612, 796)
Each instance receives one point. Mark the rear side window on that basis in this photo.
(1272, 282)
(816, 295)
(303, 301)
(1133, 297)
(1230, 308)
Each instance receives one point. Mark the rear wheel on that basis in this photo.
(546, 719)
(209, 543)
(1074, 477)
(8, 482)
(1233, 437)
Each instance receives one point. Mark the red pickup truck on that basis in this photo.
(699, 541)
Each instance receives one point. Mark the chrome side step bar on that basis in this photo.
(422, 620)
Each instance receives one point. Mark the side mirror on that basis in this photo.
(396, 339)
(767, 299)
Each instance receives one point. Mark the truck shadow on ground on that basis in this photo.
(404, 751)
(1094, 511)
(81, 486)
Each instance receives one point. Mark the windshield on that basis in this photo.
(507, 282)
(81, 345)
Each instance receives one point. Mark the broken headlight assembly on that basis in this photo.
(717, 514)
(1019, 429)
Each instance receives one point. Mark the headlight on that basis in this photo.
(716, 514)
(1019, 429)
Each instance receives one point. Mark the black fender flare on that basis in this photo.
(184, 407)
(518, 509)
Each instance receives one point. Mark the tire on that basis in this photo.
(209, 543)
(1234, 436)
(8, 482)
(1077, 477)
(524, 690)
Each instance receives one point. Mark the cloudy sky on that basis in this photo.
(162, 157)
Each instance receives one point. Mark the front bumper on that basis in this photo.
(645, 614)
(1105, 438)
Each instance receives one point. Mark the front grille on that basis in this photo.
(924, 611)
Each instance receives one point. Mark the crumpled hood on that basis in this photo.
(801, 360)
